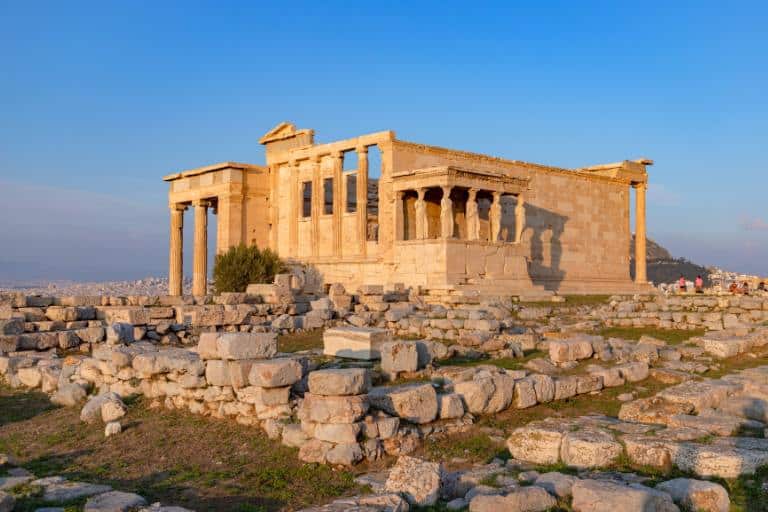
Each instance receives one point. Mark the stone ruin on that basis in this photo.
(369, 393)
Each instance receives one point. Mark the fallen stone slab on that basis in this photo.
(563, 351)
(700, 395)
(524, 499)
(416, 403)
(114, 501)
(56, 488)
(362, 343)
(417, 480)
(538, 442)
(606, 496)
(699, 495)
(556, 484)
(399, 356)
(589, 448)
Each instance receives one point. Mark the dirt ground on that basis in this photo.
(170, 456)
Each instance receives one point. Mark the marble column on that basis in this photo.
(640, 234)
(519, 218)
(295, 208)
(338, 173)
(200, 260)
(362, 199)
(421, 215)
(495, 217)
(176, 255)
(472, 216)
(399, 216)
(318, 200)
(446, 214)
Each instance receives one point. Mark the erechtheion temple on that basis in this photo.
(424, 216)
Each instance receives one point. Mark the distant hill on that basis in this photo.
(662, 267)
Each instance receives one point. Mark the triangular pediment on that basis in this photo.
(283, 130)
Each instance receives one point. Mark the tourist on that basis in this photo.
(699, 284)
(761, 286)
(734, 288)
(745, 288)
(682, 286)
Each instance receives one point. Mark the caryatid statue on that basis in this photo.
(473, 216)
(495, 217)
(446, 214)
(519, 217)
(421, 215)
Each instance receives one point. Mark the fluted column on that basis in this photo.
(338, 171)
(519, 218)
(495, 217)
(200, 260)
(362, 199)
(176, 256)
(472, 216)
(318, 201)
(640, 234)
(399, 216)
(296, 199)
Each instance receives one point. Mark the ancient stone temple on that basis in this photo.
(377, 210)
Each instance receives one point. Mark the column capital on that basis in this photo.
(202, 203)
(447, 189)
(362, 149)
(496, 195)
(420, 192)
(640, 185)
(178, 207)
(399, 194)
(337, 154)
(473, 193)
(316, 159)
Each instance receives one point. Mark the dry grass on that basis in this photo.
(170, 456)
(296, 342)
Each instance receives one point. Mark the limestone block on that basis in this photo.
(114, 501)
(588, 383)
(450, 406)
(416, 403)
(275, 373)
(339, 382)
(217, 373)
(207, 346)
(538, 442)
(528, 499)
(239, 372)
(264, 397)
(92, 411)
(565, 387)
(30, 377)
(129, 315)
(294, 436)
(69, 395)
(697, 495)
(607, 496)
(525, 393)
(700, 395)
(589, 448)
(119, 333)
(556, 484)
(247, 345)
(399, 356)
(354, 342)
(314, 450)
(544, 387)
(344, 454)
(417, 480)
(12, 326)
(337, 432)
(335, 409)
(633, 372)
(563, 351)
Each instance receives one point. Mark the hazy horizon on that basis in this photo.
(100, 101)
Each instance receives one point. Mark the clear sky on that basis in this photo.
(99, 100)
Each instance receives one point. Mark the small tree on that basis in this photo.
(242, 265)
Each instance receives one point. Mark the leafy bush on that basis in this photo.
(242, 265)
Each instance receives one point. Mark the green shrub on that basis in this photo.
(242, 265)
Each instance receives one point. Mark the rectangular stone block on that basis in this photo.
(130, 315)
(275, 373)
(207, 346)
(399, 356)
(247, 345)
(354, 342)
(339, 382)
(335, 409)
(264, 397)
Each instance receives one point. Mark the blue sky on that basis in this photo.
(99, 100)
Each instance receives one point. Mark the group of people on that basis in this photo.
(743, 289)
(698, 284)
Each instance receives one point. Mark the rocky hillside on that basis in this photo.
(663, 267)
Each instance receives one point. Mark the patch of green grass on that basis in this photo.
(572, 301)
(671, 336)
(19, 405)
(508, 363)
(295, 342)
(474, 446)
(749, 493)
